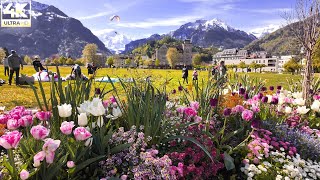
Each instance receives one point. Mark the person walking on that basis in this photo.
(6, 66)
(37, 64)
(185, 74)
(195, 75)
(14, 62)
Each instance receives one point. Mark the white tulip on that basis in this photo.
(100, 121)
(315, 105)
(302, 110)
(297, 95)
(84, 107)
(279, 108)
(116, 112)
(65, 110)
(2, 108)
(82, 119)
(288, 110)
(96, 107)
(299, 101)
(88, 142)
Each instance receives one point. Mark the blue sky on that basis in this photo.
(141, 18)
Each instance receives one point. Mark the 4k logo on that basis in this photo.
(15, 13)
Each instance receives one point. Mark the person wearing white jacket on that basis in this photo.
(6, 66)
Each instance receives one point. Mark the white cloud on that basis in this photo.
(150, 23)
(269, 11)
(102, 31)
(110, 9)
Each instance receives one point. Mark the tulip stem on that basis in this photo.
(11, 161)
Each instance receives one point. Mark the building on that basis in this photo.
(236, 56)
(120, 61)
(283, 60)
(185, 50)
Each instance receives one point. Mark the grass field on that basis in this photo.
(11, 96)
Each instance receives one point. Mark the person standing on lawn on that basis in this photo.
(37, 64)
(195, 75)
(6, 66)
(185, 74)
(14, 62)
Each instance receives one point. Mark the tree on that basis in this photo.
(69, 61)
(292, 66)
(110, 61)
(89, 53)
(2, 54)
(306, 31)
(157, 62)
(173, 57)
(55, 62)
(316, 58)
(27, 59)
(260, 66)
(254, 66)
(79, 61)
(196, 60)
(62, 60)
(128, 61)
(148, 63)
(242, 65)
(48, 61)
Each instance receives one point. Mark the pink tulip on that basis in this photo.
(194, 105)
(70, 164)
(50, 145)
(3, 119)
(38, 158)
(66, 127)
(124, 177)
(24, 174)
(81, 134)
(247, 115)
(190, 112)
(43, 115)
(10, 139)
(39, 132)
(12, 124)
(26, 121)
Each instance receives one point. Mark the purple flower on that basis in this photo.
(213, 102)
(174, 91)
(310, 91)
(242, 91)
(279, 87)
(180, 88)
(97, 91)
(246, 96)
(247, 115)
(227, 112)
(256, 123)
(271, 88)
(239, 109)
(260, 95)
(263, 89)
(274, 100)
(264, 99)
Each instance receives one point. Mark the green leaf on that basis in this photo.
(88, 162)
(228, 161)
(224, 139)
(7, 165)
(119, 148)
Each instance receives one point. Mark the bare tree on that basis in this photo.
(307, 32)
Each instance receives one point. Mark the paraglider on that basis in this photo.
(116, 32)
(115, 17)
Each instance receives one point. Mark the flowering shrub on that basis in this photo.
(136, 162)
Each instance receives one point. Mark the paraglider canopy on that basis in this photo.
(115, 17)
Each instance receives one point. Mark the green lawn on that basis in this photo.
(12, 95)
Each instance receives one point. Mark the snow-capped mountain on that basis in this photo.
(263, 31)
(205, 33)
(114, 40)
(51, 32)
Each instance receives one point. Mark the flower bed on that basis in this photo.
(246, 132)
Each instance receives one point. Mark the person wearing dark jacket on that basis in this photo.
(14, 62)
(185, 74)
(36, 64)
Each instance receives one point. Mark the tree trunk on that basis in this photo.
(306, 85)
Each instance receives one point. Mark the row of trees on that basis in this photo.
(242, 65)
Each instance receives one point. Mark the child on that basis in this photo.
(195, 75)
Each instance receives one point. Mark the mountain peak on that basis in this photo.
(38, 6)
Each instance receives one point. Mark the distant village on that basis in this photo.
(231, 57)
